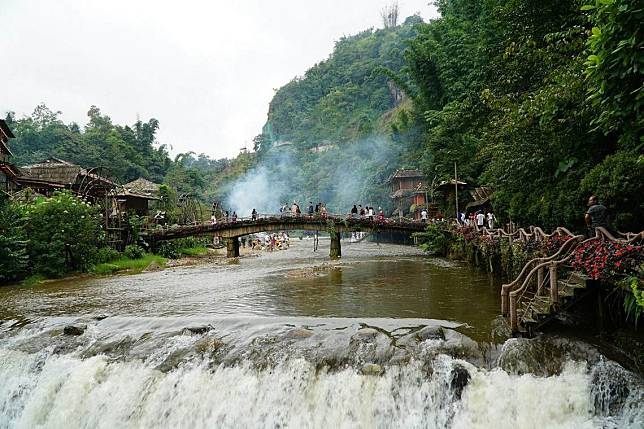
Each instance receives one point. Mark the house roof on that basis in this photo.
(142, 186)
(406, 173)
(59, 171)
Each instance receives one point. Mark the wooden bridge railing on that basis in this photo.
(541, 274)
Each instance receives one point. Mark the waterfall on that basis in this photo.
(108, 382)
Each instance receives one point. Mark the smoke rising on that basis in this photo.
(343, 175)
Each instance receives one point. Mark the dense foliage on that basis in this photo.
(502, 88)
(341, 99)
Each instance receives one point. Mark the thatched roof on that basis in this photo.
(53, 170)
(142, 186)
(406, 173)
(56, 170)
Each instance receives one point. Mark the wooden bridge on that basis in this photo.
(335, 225)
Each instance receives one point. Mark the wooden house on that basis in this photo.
(407, 192)
(136, 196)
(8, 171)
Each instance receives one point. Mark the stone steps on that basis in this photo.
(536, 311)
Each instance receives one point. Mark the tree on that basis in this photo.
(389, 15)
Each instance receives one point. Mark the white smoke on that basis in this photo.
(348, 174)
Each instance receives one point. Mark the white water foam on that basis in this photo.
(43, 390)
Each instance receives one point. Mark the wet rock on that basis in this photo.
(100, 317)
(426, 333)
(366, 334)
(74, 329)
(430, 333)
(209, 345)
(198, 330)
(460, 378)
(371, 369)
(298, 334)
(154, 266)
(369, 345)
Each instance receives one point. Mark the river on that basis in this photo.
(385, 337)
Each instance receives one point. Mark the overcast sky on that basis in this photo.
(205, 69)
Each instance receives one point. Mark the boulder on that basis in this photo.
(74, 329)
(371, 369)
(460, 379)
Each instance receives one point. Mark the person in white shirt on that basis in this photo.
(480, 219)
(490, 220)
(423, 216)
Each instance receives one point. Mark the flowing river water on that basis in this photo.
(385, 337)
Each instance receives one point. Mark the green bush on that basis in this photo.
(106, 254)
(132, 251)
(434, 239)
(13, 252)
(63, 233)
(168, 249)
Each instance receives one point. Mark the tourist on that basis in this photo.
(480, 219)
(311, 209)
(323, 211)
(423, 216)
(361, 211)
(294, 209)
(354, 212)
(371, 213)
(596, 216)
(298, 212)
(381, 214)
(226, 216)
(213, 219)
(234, 217)
(490, 220)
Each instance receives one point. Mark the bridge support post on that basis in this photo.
(336, 249)
(232, 247)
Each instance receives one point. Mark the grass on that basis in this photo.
(193, 251)
(125, 264)
(34, 279)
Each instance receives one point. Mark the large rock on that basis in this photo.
(74, 330)
(460, 379)
(371, 369)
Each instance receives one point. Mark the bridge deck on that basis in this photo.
(282, 223)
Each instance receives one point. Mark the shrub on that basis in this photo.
(106, 254)
(13, 252)
(434, 239)
(132, 251)
(63, 232)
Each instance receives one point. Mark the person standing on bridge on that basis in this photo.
(354, 212)
(490, 220)
(253, 215)
(480, 219)
(311, 209)
(234, 217)
(596, 216)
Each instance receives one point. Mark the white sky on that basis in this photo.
(205, 69)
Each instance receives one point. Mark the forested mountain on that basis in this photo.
(342, 98)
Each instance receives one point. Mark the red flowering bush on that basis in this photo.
(603, 259)
(552, 244)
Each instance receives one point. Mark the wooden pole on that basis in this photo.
(456, 189)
